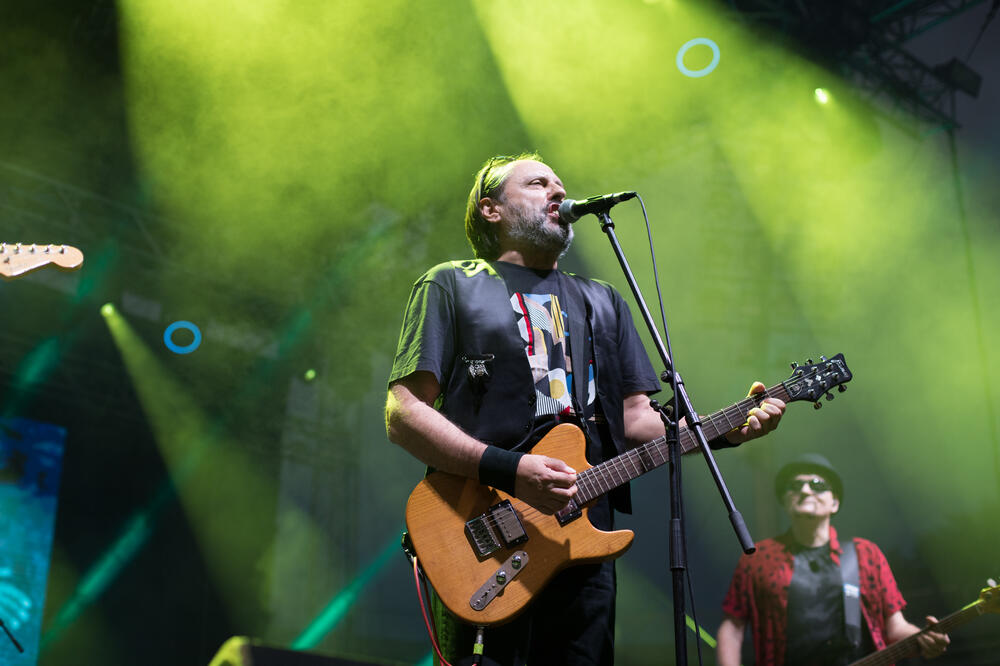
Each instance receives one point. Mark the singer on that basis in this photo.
(506, 346)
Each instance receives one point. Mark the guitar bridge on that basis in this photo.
(499, 527)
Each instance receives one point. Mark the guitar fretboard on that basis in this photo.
(621, 469)
(909, 647)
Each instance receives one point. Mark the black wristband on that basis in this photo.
(498, 468)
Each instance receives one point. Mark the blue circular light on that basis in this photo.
(694, 74)
(175, 348)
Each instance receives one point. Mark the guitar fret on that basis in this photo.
(616, 469)
(645, 454)
(908, 646)
(635, 462)
(661, 450)
(583, 487)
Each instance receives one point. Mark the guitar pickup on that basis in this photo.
(499, 527)
(568, 514)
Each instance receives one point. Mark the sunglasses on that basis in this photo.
(816, 484)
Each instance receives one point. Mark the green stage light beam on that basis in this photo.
(700, 632)
(32, 371)
(133, 537)
(341, 604)
(217, 486)
(44, 357)
(124, 547)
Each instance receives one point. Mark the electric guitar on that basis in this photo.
(988, 602)
(17, 259)
(488, 554)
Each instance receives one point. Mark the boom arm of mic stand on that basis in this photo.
(685, 406)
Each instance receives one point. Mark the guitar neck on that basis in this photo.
(621, 469)
(909, 647)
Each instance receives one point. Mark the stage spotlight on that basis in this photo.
(309, 375)
(107, 309)
(822, 95)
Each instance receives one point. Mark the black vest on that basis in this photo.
(499, 408)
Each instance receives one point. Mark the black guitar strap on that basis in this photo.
(852, 593)
(576, 314)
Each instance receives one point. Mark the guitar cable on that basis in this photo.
(420, 580)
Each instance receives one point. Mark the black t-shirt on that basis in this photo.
(427, 343)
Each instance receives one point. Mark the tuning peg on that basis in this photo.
(809, 361)
(829, 396)
(841, 388)
(823, 359)
(817, 405)
(794, 365)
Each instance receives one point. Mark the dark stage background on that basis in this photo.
(278, 174)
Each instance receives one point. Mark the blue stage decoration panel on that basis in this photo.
(31, 456)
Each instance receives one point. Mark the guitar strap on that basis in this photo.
(852, 593)
(579, 331)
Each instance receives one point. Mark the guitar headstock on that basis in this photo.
(990, 597)
(17, 259)
(812, 380)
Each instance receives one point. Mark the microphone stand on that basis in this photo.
(678, 563)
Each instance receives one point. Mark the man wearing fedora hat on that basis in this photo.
(809, 599)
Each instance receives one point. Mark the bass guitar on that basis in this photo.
(16, 259)
(988, 602)
(488, 554)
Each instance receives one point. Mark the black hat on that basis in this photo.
(808, 463)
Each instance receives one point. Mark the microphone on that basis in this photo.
(571, 211)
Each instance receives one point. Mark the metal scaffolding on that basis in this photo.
(865, 42)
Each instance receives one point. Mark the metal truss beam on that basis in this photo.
(864, 40)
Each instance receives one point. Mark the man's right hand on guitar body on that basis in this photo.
(548, 484)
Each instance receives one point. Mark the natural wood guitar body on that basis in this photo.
(486, 570)
(442, 503)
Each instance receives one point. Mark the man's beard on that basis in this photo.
(528, 229)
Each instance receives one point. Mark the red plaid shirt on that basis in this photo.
(758, 593)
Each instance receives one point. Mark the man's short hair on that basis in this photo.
(484, 236)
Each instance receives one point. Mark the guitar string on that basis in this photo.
(594, 477)
(600, 479)
(893, 653)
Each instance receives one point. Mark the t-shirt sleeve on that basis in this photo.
(638, 375)
(735, 604)
(427, 338)
(885, 582)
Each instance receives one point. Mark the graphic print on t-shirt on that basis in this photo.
(541, 323)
